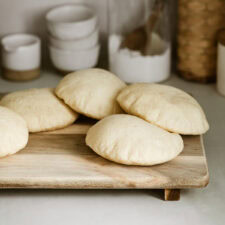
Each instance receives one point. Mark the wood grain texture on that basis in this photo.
(172, 194)
(60, 159)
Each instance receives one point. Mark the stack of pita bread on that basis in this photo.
(140, 124)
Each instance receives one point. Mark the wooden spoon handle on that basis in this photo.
(151, 22)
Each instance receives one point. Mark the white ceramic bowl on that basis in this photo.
(76, 44)
(21, 52)
(71, 21)
(74, 60)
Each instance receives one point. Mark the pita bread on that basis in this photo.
(40, 108)
(130, 140)
(165, 106)
(13, 132)
(91, 92)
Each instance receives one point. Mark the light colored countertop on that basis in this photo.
(197, 206)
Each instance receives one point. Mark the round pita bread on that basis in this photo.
(13, 132)
(130, 140)
(165, 106)
(91, 92)
(40, 108)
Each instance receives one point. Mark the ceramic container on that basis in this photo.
(71, 21)
(221, 63)
(67, 61)
(76, 44)
(21, 56)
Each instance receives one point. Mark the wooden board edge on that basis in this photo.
(205, 179)
(46, 184)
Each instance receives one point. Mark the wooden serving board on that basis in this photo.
(60, 159)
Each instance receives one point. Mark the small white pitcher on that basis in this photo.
(21, 56)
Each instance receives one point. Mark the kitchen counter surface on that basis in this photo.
(197, 206)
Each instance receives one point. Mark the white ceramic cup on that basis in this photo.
(76, 44)
(71, 21)
(21, 52)
(221, 69)
(74, 60)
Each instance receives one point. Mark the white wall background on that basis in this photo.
(28, 15)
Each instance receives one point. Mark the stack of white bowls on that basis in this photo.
(73, 36)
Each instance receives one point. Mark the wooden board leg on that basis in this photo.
(171, 194)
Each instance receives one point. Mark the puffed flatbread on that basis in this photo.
(91, 92)
(165, 106)
(130, 140)
(13, 132)
(40, 108)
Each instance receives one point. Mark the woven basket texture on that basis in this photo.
(198, 24)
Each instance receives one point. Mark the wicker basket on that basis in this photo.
(198, 24)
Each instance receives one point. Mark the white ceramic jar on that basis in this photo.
(76, 44)
(221, 63)
(21, 56)
(68, 61)
(71, 21)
